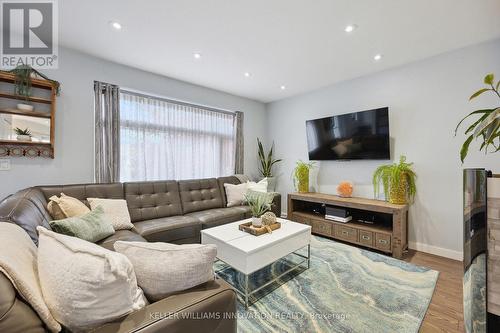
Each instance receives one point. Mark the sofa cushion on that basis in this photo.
(183, 266)
(91, 227)
(78, 277)
(152, 200)
(218, 216)
(124, 235)
(245, 209)
(226, 180)
(200, 194)
(27, 209)
(84, 191)
(169, 229)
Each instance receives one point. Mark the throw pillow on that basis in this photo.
(69, 207)
(91, 227)
(235, 194)
(83, 284)
(18, 260)
(258, 187)
(182, 266)
(116, 211)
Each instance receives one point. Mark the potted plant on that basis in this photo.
(398, 181)
(23, 134)
(301, 176)
(259, 204)
(266, 164)
(487, 126)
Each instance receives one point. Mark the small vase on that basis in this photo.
(257, 222)
(271, 184)
(25, 138)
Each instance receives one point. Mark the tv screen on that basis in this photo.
(354, 136)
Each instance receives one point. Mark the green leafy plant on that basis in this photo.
(398, 181)
(23, 75)
(300, 175)
(19, 131)
(266, 160)
(259, 203)
(487, 127)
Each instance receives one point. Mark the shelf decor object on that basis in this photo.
(301, 176)
(27, 101)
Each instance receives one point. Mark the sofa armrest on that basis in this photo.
(276, 205)
(210, 307)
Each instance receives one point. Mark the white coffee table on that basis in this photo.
(247, 253)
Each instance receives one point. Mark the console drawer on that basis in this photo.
(323, 228)
(366, 237)
(346, 233)
(301, 219)
(383, 242)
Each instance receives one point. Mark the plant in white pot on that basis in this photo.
(22, 134)
(259, 203)
(267, 162)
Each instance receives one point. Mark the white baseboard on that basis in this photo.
(438, 251)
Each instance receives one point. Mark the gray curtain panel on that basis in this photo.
(239, 148)
(107, 132)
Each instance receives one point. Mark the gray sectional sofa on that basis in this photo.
(161, 211)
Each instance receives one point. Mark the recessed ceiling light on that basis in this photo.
(350, 28)
(197, 55)
(282, 87)
(377, 57)
(115, 25)
(247, 74)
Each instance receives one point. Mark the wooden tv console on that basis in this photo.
(392, 238)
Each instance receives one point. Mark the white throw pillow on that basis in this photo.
(83, 284)
(235, 194)
(163, 268)
(258, 187)
(116, 211)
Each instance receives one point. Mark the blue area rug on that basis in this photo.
(347, 289)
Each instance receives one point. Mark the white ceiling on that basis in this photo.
(297, 43)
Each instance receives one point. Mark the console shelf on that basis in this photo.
(386, 237)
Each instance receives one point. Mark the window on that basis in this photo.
(162, 139)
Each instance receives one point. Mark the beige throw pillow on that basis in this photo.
(258, 187)
(68, 206)
(235, 194)
(83, 284)
(163, 268)
(18, 262)
(116, 211)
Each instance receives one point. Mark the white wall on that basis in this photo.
(74, 150)
(426, 100)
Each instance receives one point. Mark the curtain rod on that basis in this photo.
(168, 100)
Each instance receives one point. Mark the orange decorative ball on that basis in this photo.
(345, 189)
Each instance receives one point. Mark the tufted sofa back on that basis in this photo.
(84, 191)
(200, 194)
(152, 200)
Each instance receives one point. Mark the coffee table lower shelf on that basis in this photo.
(246, 292)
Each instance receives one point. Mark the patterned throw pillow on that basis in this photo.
(91, 227)
(116, 211)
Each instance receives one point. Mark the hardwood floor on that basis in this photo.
(445, 313)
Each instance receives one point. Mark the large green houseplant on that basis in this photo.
(301, 176)
(487, 126)
(267, 161)
(398, 181)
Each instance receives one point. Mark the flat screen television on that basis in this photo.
(353, 136)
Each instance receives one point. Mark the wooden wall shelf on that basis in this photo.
(21, 148)
(391, 239)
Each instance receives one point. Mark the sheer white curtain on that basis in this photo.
(164, 140)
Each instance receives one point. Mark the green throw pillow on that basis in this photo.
(91, 227)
